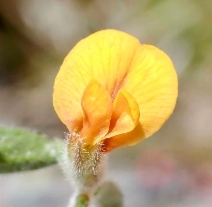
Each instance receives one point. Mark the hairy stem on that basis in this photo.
(84, 165)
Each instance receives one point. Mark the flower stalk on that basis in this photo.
(81, 200)
(85, 167)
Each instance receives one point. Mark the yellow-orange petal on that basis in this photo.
(152, 80)
(97, 108)
(125, 114)
(66, 100)
(126, 139)
(117, 61)
(104, 56)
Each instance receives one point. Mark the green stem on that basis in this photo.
(81, 200)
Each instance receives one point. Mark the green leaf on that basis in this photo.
(22, 150)
(109, 195)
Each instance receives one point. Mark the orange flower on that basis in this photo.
(112, 89)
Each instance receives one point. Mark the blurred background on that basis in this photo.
(174, 167)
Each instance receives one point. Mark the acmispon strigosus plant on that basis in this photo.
(111, 91)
